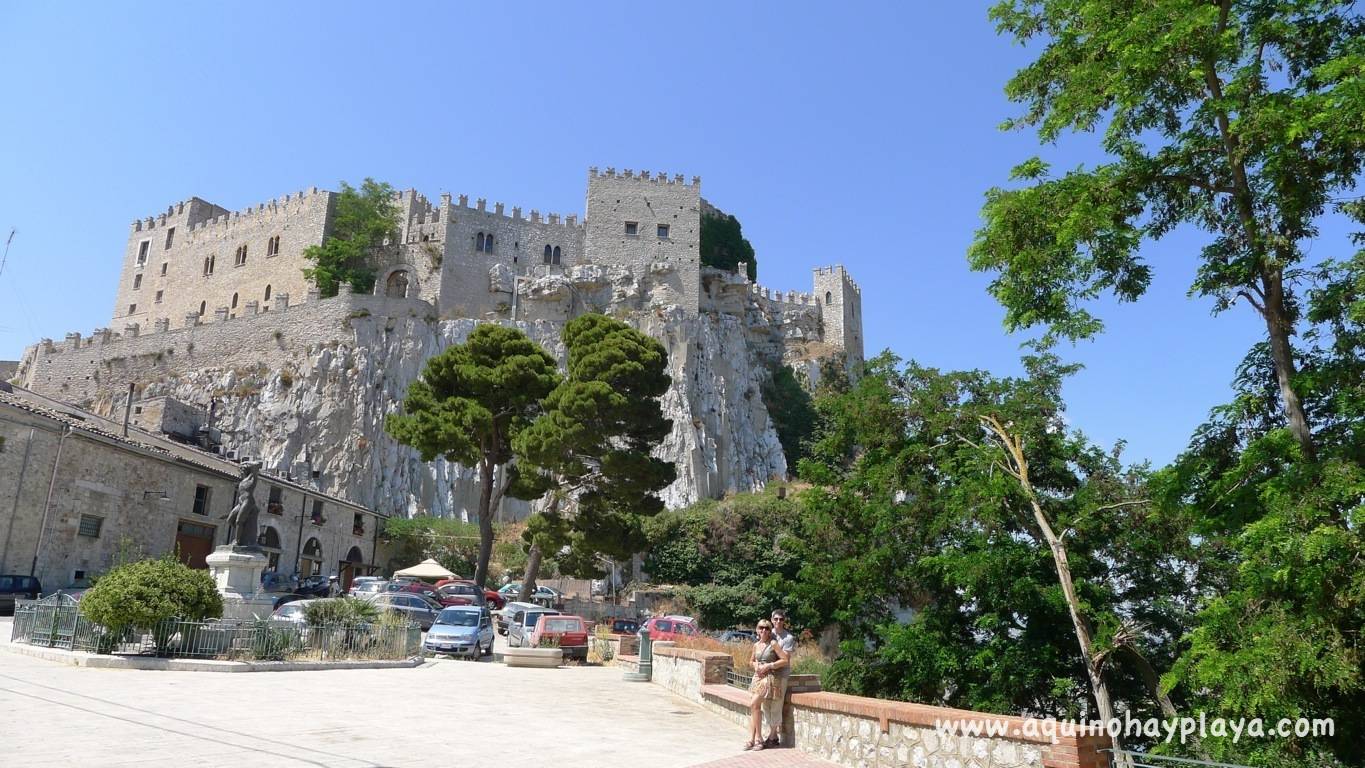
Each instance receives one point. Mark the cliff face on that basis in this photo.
(324, 411)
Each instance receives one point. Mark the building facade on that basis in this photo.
(77, 496)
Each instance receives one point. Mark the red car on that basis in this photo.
(571, 632)
(466, 587)
(671, 627)
(419, 588)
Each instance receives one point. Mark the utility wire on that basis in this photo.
(5, 258)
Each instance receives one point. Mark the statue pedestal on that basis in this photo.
(236, 571)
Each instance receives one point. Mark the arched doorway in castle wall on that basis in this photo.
(396, 287)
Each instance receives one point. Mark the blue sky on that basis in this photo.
(863, 134)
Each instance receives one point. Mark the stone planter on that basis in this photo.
(547, 658)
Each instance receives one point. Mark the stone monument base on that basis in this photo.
(236, 571)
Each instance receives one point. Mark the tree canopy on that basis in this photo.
(470, 404)
(723, 245)
(1242, 119)
(592, 446)
(360, 221)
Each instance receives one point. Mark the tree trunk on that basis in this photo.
(1059, 559)
(485, 522)
(1153, 683)
(1278, 326)
(528, 584)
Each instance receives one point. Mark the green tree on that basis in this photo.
(736, 557)
(361, 220)
(470, 404)
(792, 411)
(926, 551)
(1280, 541)
(593, 445)
(144, 593)
(1242, 119)
(723, 245)
(452, 543)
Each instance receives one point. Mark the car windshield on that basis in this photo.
(532, 618)
(458, 618)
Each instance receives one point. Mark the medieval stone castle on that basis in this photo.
(207, 289)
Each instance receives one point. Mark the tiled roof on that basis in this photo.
(93, 424)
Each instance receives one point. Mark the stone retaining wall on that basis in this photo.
(863, 732)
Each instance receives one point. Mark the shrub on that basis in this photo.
(739, 652)
(145, 593)
(342, 610)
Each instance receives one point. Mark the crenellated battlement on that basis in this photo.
(838, 271)
(793, 298)
(661, 177)
(499, 210)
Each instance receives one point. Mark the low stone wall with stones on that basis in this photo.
(862, 732)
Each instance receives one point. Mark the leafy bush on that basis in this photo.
(341, 610)
(147, 592)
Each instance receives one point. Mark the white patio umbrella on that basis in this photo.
(427, 569)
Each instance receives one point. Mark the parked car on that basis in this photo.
(470, 594)
(504, 617)
(461, 630)
(624, 626)
(543, 595)
(671, 627)
(522, 623)
(425, 590)
(737, 636)
(493, 599)
(292, 612)
(369, 587)
(290, 597)
(571, 632)
(315, 586)
(415, 607)
(17, 587)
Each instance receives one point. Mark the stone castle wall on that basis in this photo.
(84, 370)
(191, 259)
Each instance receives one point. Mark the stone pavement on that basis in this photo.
(444, 713)
(768, 758)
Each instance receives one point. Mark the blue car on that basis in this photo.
(461, 630)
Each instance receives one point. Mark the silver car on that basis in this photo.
(522, 623)
(416, 608)
(461, 630)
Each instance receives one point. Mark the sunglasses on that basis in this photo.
(764, 626)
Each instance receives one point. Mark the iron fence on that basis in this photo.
(61, 626)
(738, 679)
(1124, 758)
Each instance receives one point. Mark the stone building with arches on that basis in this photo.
(82, 492)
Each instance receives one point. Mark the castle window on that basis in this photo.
(240, 257)
(208, 265)
(137, 282)
(158, 296)
(632, 228)
(142, 252)
(132, 308)
(164, 264)
(203, 305)
(556, 255)
(488, 244)
(478, 243)
(170, 237)
(267, 293)
(90, 526)
(829, 297)
(272, 246)
(234, 301)
(549, 254)
(663, 231)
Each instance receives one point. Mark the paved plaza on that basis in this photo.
(442, 713)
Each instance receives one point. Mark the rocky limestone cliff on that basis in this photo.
(325, 412)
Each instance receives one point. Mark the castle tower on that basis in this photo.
(841, 311)
(650, 225)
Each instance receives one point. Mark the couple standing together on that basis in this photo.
(771, 662)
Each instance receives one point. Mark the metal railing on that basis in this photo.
(1124, 757)
(61, 626)
(738, 679)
